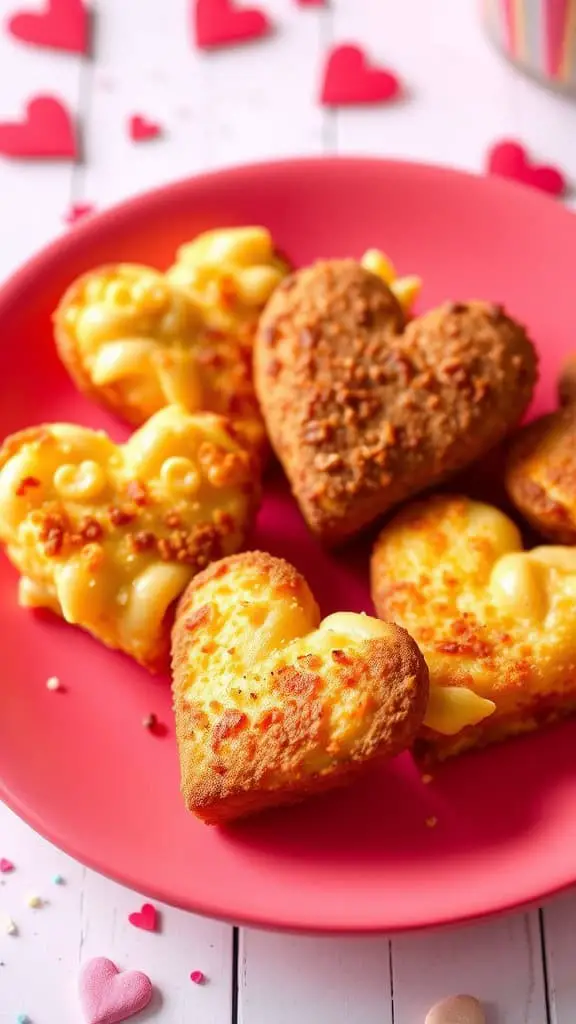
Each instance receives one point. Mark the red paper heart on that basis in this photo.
(77, 211)
(145, 918)
(62, 25)
(6, 866)
(220, 23)
(350, 79)
(508, 159)
(141, 129)
(47, 132)
(107, 996)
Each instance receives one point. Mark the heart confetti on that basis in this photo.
(6, 866)
(350, 79)
(312, 3)
(62, 25)
(47, 132)
(222, 23)
(145, 918)
(141, 129)
(509, 159)
(109, 996)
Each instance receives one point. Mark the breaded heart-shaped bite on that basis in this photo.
(134, 342)
(365, 411)
(108, 536)
(494, 622)
(540, 474)
(272, 704)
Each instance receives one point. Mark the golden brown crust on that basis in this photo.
(270, 706)
(541, 474)
(488, 616)
(108, 536)
(364, 411)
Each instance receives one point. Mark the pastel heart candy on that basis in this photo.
(141, 129)
(62, 25)
(272, 704)
(145, 918)
(365, 410)
(493, 621)
(509, 159)
(350, 79)
(47, 132)
(108, 535)
(221, 23)
(108, 996)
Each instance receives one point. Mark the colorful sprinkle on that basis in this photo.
(149, 722)
(431, 822)
(53, 683)
(58, 880)
(23, 1018)
(34, 901)
(6, 866)
(198, 977)
(10, 926)
(426, 779)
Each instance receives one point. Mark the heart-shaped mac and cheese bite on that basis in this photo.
(134, 342)
(229, 274)
(494, 622)
(108, 535)
(540, 474)
(272, 704)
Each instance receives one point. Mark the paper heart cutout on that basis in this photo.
(273, 705)
(141, 129)
(221, 23)
(6, 866)
(77, 211)
(492, 620)
(350, 79)
(62, 25)
(109, 996)
(145, 918)
(508, 159)
(363, 410)
(47, 132)
(118, 531)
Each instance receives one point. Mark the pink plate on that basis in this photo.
(80, 767)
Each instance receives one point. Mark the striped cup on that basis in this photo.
(538, 35)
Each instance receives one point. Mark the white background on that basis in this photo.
(219, 109)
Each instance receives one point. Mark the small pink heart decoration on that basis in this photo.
(141, 129)
(145, 918)
(509, 159)
(109, 996)
(6, 866)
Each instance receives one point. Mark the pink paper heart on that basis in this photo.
(145, 918)
(62, 25)
(349, 79)
(509, 159)
(141, 129)
(6, 866)
(46, 132)
(109, 996)
(220, 23)
(77, 211)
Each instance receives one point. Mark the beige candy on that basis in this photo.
(456, 1010)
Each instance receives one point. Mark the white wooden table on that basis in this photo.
(217, 109)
